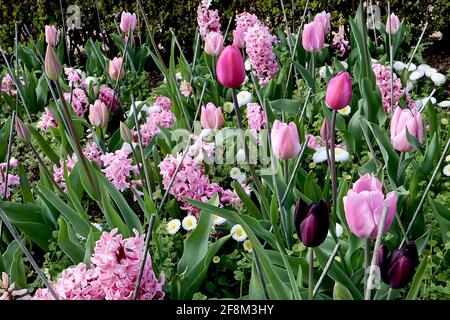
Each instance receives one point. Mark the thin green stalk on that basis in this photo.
(326, 268)
(369, 144)
(63, 20)
(391, 62)
(310, 274)
(100, 24)
(333, 164)
(261, 276)
(417, 45)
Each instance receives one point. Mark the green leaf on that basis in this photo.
(73, 249)
(45, 146)
(25, 186)
(286, 105)
(340, 292)
(442, 214)
(417, 280)
(112, 217)
(306, 76)
(248, 203)
(431, 154)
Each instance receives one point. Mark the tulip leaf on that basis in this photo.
(442, 214)
(412, 140)
(431, 154)
(45, 146)
(306, 76)
(70, 245)
(286, 105)
(340, 292)
(248, 203)
(417, 280)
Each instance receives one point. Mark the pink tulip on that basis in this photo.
(230, 67)
(325, 130)
(324, 19)
(116, 71)
(128, 22)
(214, 43)
(339, 91)
(285, 140)
(211, 117)
(313, 37)
(405, 119)
(98, 114)
(51, 35)
(364, 204)
(392, 24)
(52, 65)
(238, 38)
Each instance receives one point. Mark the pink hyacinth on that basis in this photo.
(255, 116)
(47, 120)
(383, 79)
(80, 101)
(186, 89)
(259, 49)
(13, 180)
(8, 290)
(8, 85)
(109, 98)
(244, 21)
(208, 20)
(339, 42)
(112, 275)
(118, 168)
(74, 76)
(93, 153)
(58, 172)
(164, 103)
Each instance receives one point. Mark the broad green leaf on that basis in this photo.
(73, 249)
(417, 280)
(248, 203)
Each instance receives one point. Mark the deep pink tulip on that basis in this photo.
(128, 22)
(211, 117)
(392, 24)
(115, 69)
(238, 39)
(364, 204)
(324, 19)
(53, 67)
(230, 67)
(98, 114)
(51, 35)
(405, 119)
(214, 43)
(339, 91)
(313, 37)
(285, 140)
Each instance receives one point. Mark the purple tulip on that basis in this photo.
(364, 204)
(230, 67)
(401, 265)
(312, 222)
(339, 91)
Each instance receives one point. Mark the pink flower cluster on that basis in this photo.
(80, 101)
(93, 153)
(8, 291)
(109, 98)
(244, 21)
(339, 42)
(112, 275)
(13, 180)
(74, 76)
(162, 116)
(118, 167)
(208, 20)
(47, 120)
(58, 174)
(383, 79)
(8, 85)
(255, 116)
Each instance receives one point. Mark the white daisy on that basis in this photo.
(412, 67)
(243, 98)
(438, 78)
(430, 72)
(218, 220)
(341, 154)
(447, 158)
(248, 65)
(446, 170)
(240, 156)
(228, 107)
(320, 155)
(90, 80)
(423, 67)
(248, 246)
(173, 226)
(444, 104)
(235, 173)
(189, 223)
(399, 66)
(416, 75)
(345, 111)
(238, 233)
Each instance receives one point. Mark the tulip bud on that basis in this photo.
(285, 140)
(125, 133)
(401, 265)
(214, 43)
(52, 65)
(51, 35)
(313, 37)
(230, 67)
(402, 120)
(312, 222)
(98, 114)
(339, 91)
(115, 69)
(128, 22)
(325, 130)
(238, 39)
(324, 19)
(22, 131)
(392, 24)
(211, 117)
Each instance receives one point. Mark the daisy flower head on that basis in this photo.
(243, 98)
(189, 223)
(430, 72)
(248, 246)
(173, 226)
(438, 79)
(238, 233)
(345, 111)
(321, 155)
(235, 173)
(218, 220)
(228, 107)
(341, 154)
(446, 170)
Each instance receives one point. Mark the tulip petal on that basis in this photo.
(358, 214)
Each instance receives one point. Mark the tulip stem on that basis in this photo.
(27, 253)
(391, 61)
(369, 285)
(389, 294)
(326, 268)
(366, 261)
(311, 274)
(333, 165)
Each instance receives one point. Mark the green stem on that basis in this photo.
(311, 274)
(366, 261)
(261, 276)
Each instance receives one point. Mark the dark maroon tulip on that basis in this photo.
(312, 222)
(401, 265)
(381, 260)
